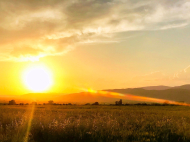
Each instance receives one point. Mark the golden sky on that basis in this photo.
(99, 44)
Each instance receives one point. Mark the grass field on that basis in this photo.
(43, 123)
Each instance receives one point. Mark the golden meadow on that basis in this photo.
(45, 123)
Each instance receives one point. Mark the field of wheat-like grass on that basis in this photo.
(43, 123)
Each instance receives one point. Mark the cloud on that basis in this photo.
(151, 77)
(183, 75)
(31, 29)
(160, 78)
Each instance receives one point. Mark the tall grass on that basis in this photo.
(95, 123)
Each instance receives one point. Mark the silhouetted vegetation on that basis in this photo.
(87, 104)
(118, 102)
(50, 102)
(96, 103)
(12, 102)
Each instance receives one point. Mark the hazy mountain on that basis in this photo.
(187, 86)
(161, 87)
(174, 94)
(178, 93)
(86, 97)
(83, 97)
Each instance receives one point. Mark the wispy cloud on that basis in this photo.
(151, 77)
(33, 29)
(183, 75)
(160, 78)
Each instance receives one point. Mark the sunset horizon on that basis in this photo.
(94, 70)
(113, 44)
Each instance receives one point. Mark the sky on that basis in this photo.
(98, 44)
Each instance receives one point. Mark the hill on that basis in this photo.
(161, 87)
(187, 86)
(173, 94)
(178, 93)
(83, 97)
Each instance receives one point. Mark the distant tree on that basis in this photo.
(96, 103)
(118, 102)
(87, 104)
(155, 104)
(50, 102)
(127, 104)
(138, 104)
(144, 104)
(12, 102)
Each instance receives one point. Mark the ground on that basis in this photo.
(43, 123)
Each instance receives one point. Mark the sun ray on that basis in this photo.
(29, 124)
(131, 97)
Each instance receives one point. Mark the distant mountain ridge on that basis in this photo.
(177, 93)
(161, 87)
(187, 86)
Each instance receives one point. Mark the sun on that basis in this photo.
(38, 78)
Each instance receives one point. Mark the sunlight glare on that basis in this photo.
(38, 78)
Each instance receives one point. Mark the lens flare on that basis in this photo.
(29, 124)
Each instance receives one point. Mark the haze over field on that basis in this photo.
(129, 95)
(65, 47)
